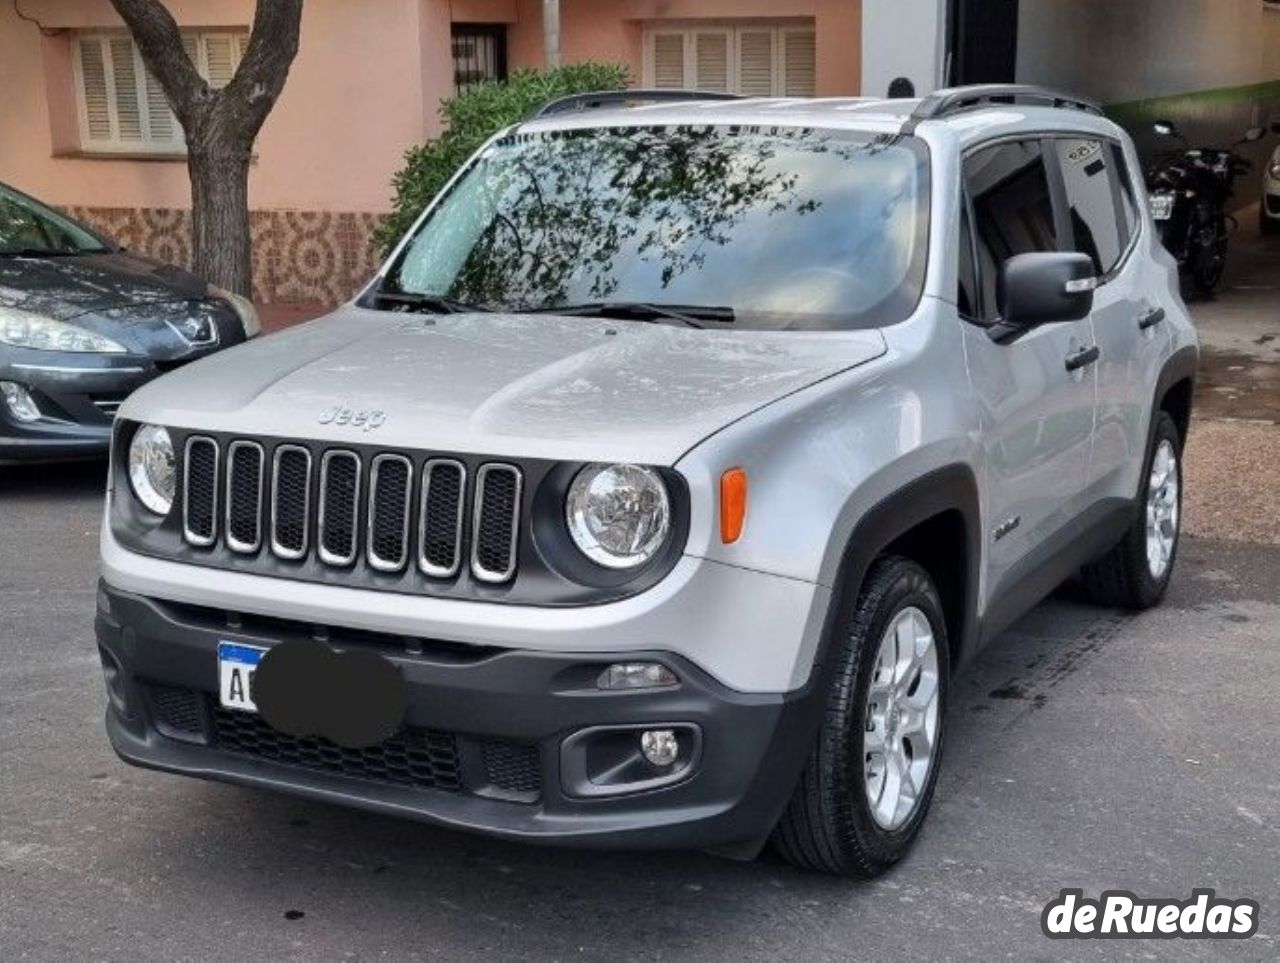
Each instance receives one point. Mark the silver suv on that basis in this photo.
(654, 491)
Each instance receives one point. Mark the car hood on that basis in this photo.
(535, 386)
(68, 287)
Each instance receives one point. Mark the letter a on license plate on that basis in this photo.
(236, 666)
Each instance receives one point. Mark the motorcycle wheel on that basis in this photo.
(1208, 267)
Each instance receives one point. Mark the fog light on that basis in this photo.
(636, 675)
(19, 401)
(659, 746)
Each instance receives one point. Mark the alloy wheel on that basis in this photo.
(1163, 509)
(902, 719)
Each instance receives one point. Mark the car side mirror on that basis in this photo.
(1036, 289)
(1165, 128)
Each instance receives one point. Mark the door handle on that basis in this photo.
(1083, 358)
(1151, 319)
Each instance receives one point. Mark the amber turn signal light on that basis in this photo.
(733, 504)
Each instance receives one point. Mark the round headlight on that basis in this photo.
(618, 515)
(152, 468)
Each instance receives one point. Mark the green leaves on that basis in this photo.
(473, 117)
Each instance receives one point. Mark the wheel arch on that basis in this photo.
(935, 521)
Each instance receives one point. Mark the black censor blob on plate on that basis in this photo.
(355, 699)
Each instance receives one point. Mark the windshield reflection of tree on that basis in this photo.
(564, 212)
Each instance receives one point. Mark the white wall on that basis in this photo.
(1117, 51)
(902, 38)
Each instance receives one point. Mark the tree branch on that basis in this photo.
(160, 43)
(273, 43)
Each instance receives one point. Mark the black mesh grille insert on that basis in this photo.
(419, 758)
(341, 493)
(177, 712)
(495, 529)
(441, 517)
(512, 767)
(244, 497)
(292, 494)
(201, 490)
(389, 513)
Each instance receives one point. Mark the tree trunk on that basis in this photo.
(220, 125)
(220, 216)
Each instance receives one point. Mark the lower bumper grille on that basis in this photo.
(423, 759)
(415, 758)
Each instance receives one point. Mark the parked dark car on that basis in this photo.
(83, 323)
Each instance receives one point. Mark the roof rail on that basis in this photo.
(607, 98)
(951, 100)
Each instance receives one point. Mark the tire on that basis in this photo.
(1128, 576)
(830, 825)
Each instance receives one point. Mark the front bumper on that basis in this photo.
(78, 399)
(486, 726)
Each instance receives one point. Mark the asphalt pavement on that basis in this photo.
(1088, 748)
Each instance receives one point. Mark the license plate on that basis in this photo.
(1162, 206)
(236, 666)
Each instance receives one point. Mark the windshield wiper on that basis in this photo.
(688, 314)
(41, 252)
(435, 303)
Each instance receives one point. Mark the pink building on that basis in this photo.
(85, 127)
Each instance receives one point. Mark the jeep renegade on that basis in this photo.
(673, 464)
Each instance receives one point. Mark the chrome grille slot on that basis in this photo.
(444, 484)
(244, 496)
(200, 492)
(290, 501)
(338, 527)
(390, 490)
(496, 525)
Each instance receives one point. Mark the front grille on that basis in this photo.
(290, 501)
(200, 492)
(420, 758)
(493, 555)
(381, 512)
(390, 488)
(244, 497)
(339, 507)
(108, 405)
(444, 484)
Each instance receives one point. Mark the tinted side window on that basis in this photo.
(1093, 196)
(1012, 207)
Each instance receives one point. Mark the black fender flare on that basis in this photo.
(950, 488)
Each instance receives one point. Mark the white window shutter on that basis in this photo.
(800, 63)
(125, 76)
(711, 60)
(162, 125)
(222, 57)
(668, 60)
(93, 81)
(755, 63)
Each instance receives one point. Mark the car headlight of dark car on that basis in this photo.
(23, 329)
(243, 308)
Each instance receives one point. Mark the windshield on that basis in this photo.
(27, 227)
(773, 227)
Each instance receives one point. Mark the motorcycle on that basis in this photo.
(1189, 190)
